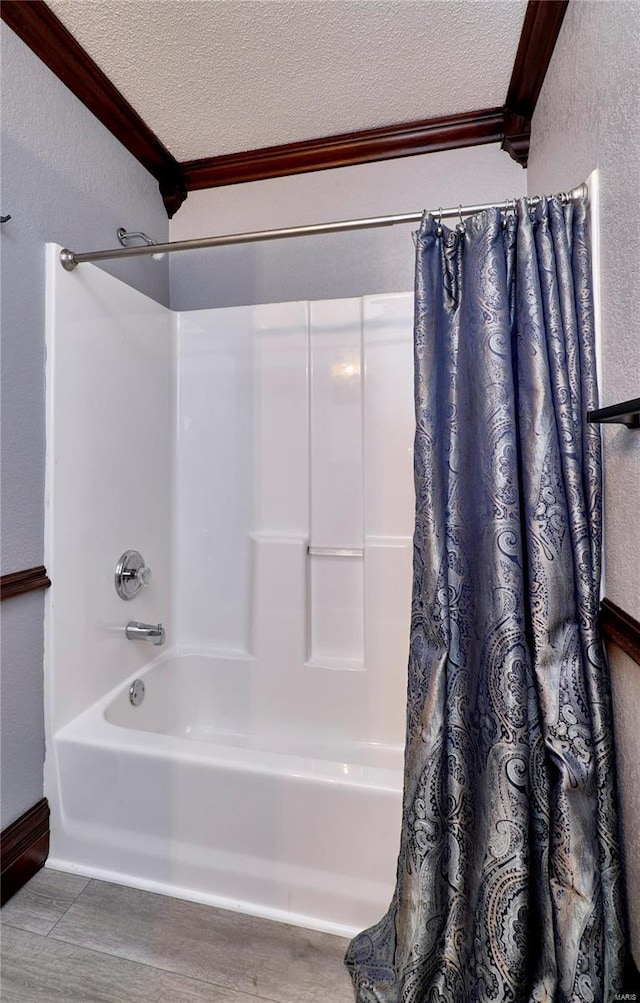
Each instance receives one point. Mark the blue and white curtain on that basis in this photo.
(509, 883)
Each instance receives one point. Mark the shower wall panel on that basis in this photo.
(242, 477)
(109, 479)
(280, 484)
(295, 432)
(214, 465)
(292, 430)
(280, 479)
(388, 502)
(388, 416)
(336, 424)
(336, 583)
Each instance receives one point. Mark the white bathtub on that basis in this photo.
(230, 786)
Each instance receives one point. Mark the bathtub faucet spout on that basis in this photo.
(153, 632)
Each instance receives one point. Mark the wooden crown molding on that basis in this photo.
(620, 628)
(47, 37)
(542, 22)
(24, 847)
(19, 582)
(407, 139)
(509, 125)
(516, 137)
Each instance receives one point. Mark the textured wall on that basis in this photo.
(65, 179)
(21, 705)
(337, 265)
(626, 693)
(588, 116)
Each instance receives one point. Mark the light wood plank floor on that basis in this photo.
(74, 940)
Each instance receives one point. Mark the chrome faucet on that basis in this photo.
(145, 632)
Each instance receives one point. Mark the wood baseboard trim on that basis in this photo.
(631, 980)
(19, 582)
(24, 848)
(620, 628)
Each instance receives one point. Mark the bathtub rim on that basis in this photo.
(92, 728)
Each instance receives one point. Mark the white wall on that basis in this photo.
(293, 425)
(336, 265)
(295, 428)
(588, 117)
(214, 465)
(109, 479)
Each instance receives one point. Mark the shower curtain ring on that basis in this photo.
(460, 215)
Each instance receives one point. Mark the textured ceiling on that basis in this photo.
(211, 77)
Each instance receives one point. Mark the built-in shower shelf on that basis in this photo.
(341, 662)
(627, 413)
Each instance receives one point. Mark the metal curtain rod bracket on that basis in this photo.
(69, 259)
(124, 236)
(627, 413)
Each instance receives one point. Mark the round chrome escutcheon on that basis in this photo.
(131, 574)
(136, 692)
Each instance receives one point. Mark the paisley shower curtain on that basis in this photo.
(508, 882)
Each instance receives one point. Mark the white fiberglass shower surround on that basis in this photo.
(260, 459)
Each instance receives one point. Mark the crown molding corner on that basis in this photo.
(517, 137)
(540, 29)
(173, 191)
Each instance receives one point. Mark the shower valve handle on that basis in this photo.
(143, 575)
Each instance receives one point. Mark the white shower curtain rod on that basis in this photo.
(70, 259)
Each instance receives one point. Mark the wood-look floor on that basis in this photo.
(72, 940)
